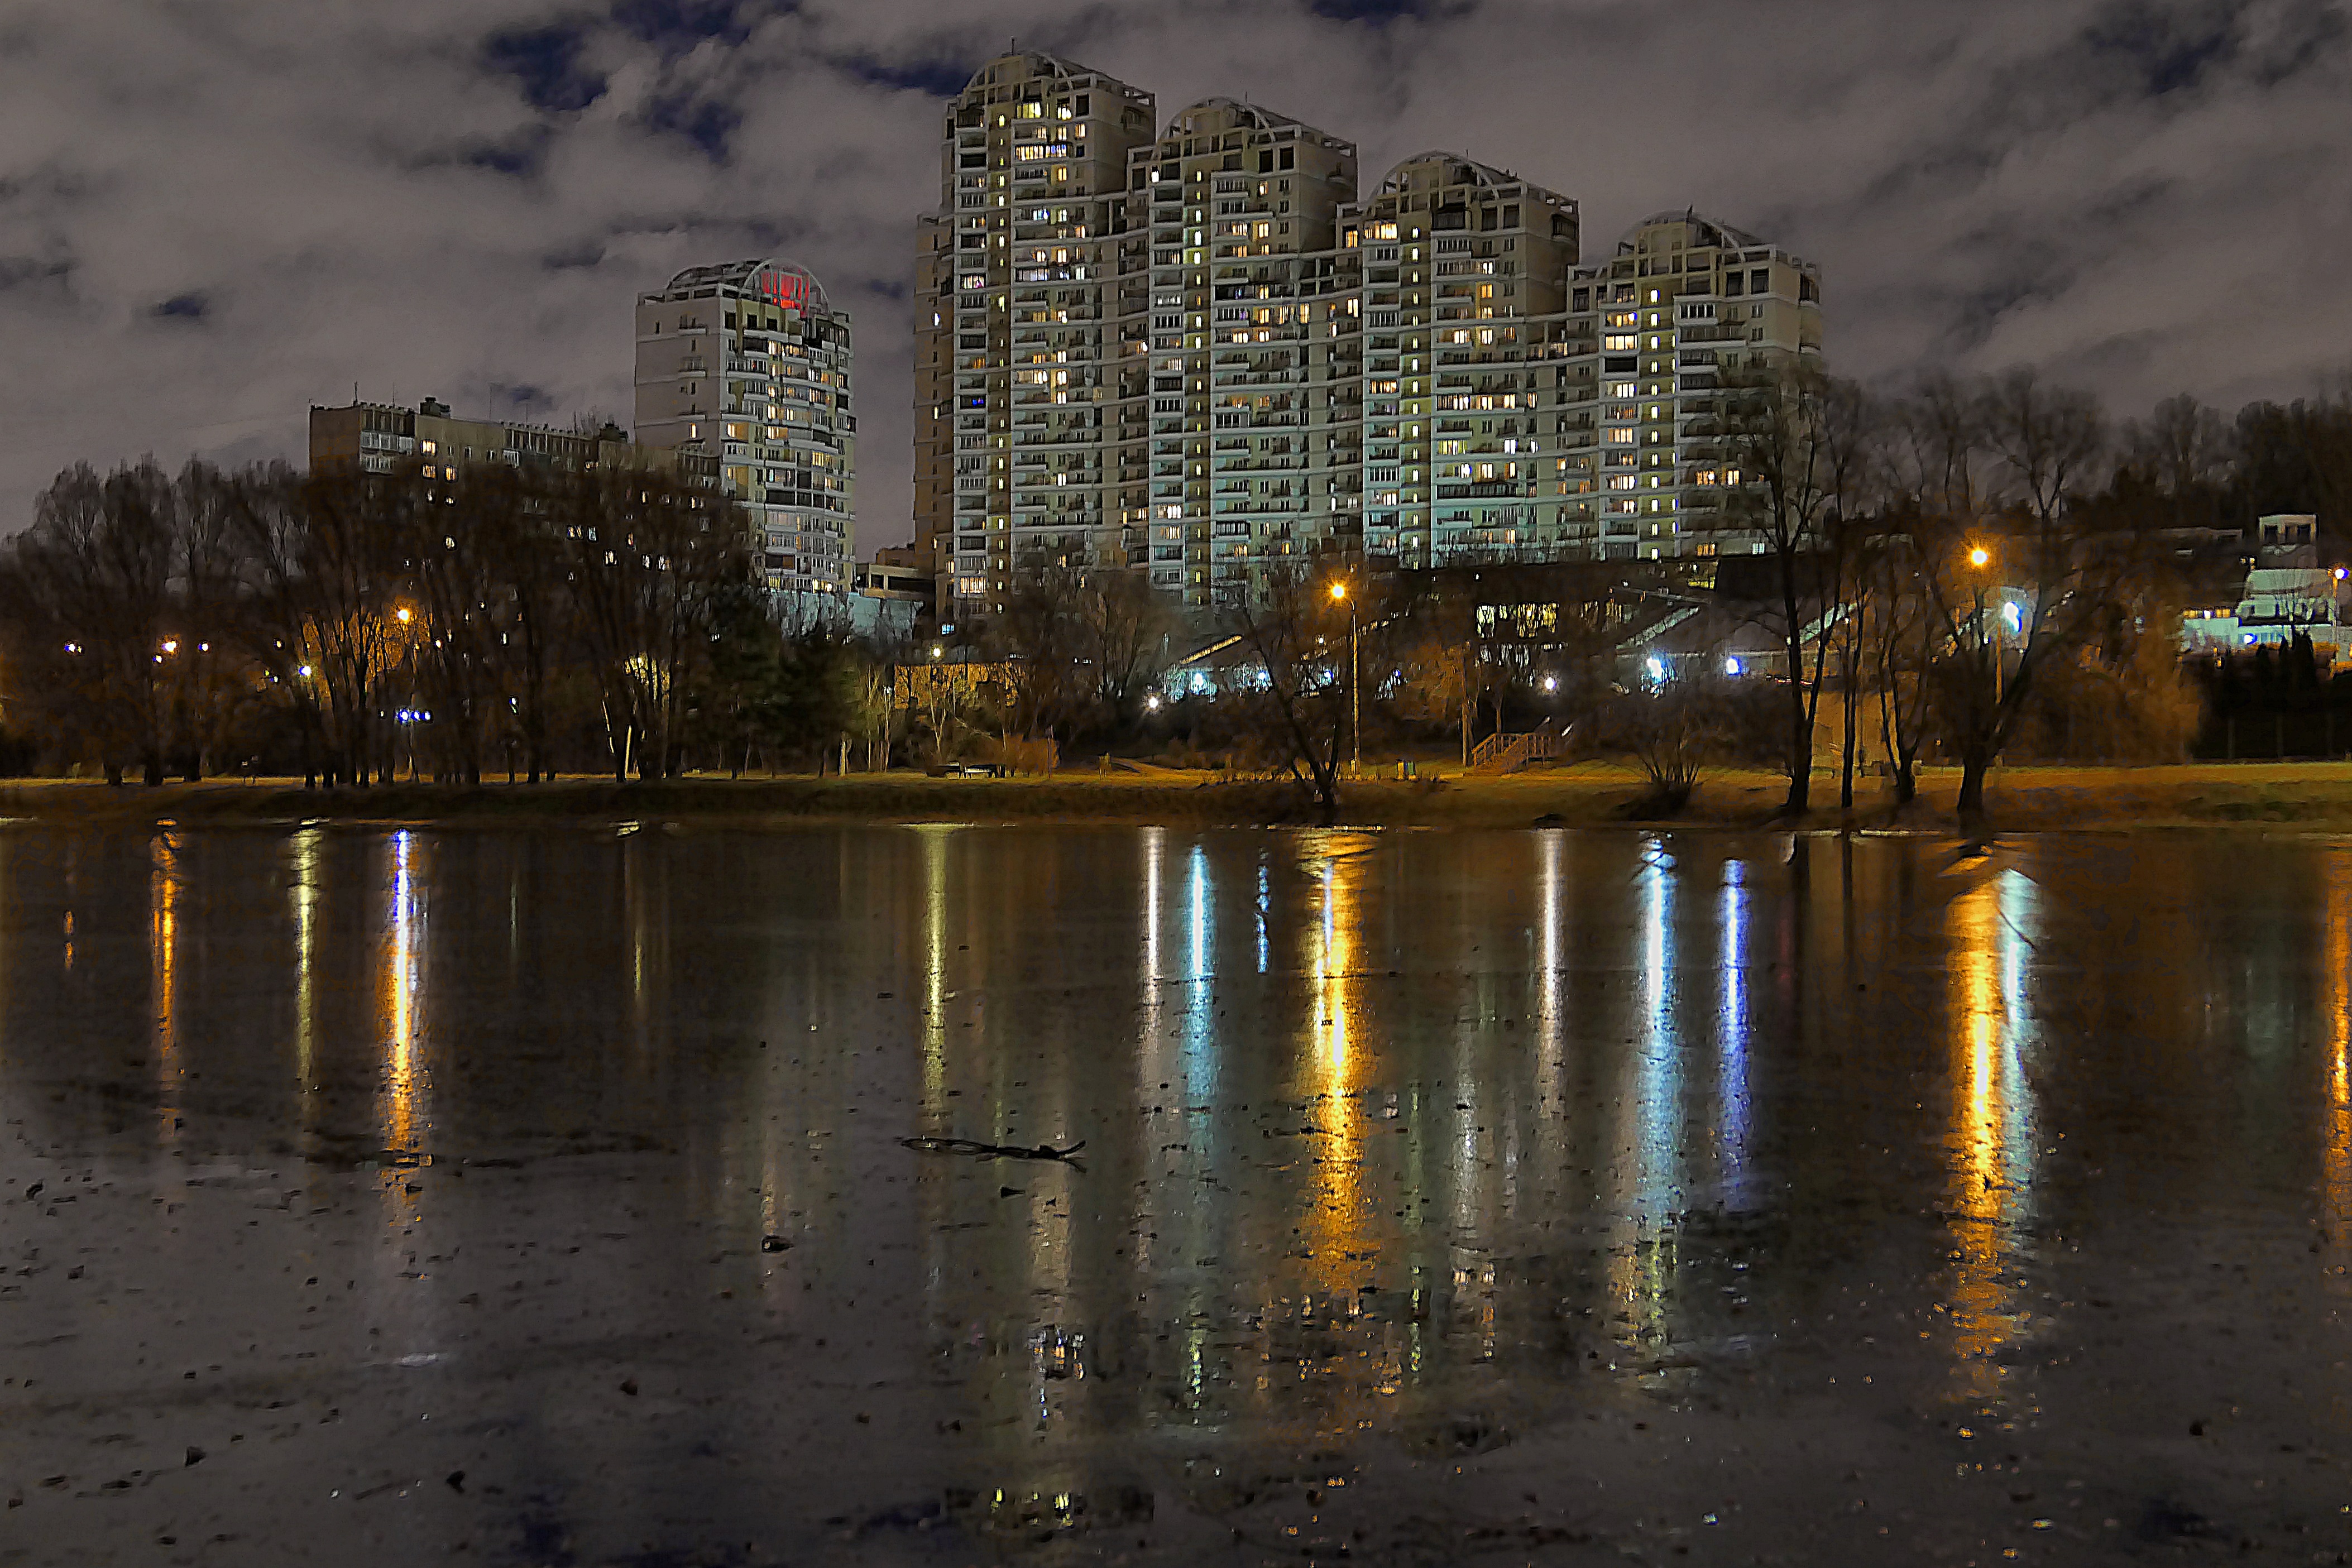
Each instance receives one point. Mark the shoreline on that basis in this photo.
(2308, 796)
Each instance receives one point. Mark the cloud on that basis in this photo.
(210, 217)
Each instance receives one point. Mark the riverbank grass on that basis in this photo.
(2315, 796)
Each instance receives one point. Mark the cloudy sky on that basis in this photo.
(215, 213)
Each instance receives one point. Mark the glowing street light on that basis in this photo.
(401, 614)
(1979, 558)
(1355, 674)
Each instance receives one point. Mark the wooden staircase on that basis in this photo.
(1509, 753)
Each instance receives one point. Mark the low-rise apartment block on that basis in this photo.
(430, 442)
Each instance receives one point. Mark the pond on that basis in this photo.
(662, 1196)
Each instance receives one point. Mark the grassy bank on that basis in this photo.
(2310, 795)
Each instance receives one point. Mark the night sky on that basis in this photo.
(212, 215)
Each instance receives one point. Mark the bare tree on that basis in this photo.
(1798, 444)
(2182, 449)
(2011, 578)
(94, 575)
(647, 557)
(1123, 634)
(1290, 683)
(1038, 632)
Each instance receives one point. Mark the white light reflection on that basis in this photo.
(1265, 912)
(1658, 1186)
(1152, 1065)
(1551, 987)
(1200, 1036)
(934, 839)
(1641, 1262)
(401, 1116)
(1148, 1062)
(1731, 1034)
(302, 893)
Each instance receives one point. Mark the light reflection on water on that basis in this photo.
(164, 961)
(1990, 929)
(1376, 1124)
(2335, 964)
(401, 1116)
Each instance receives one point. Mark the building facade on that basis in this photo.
(428, 441)
(749, 363)
(1252, 438)
(1665, 344)
(1029, 373)
(1201, 354)
(1466, 276)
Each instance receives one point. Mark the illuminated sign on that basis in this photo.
(785, 291)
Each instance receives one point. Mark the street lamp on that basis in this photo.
(1355, 700)
(1980, 557)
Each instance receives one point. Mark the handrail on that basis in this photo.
(1507, 753)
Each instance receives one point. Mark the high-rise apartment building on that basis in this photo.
(1464, 266)
(1254, 427)
(1666, 342)
(749, 363)
(1198, 354)
(1030, 370)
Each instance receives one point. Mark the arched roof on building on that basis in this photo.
(1032, 63)
(1249, 116)
(1472, 171)
(744, 275)
(1710, 231)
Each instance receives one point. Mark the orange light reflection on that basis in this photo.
(1990, 1146)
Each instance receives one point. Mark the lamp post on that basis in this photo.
(1355, 700)
(1980, 557)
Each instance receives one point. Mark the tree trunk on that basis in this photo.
(1907, 781)
(1852, 737)
(1801, 749)
(1972, 780)
(152, 772)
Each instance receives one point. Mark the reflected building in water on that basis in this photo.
(1383, 1130)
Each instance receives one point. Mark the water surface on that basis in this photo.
(541, 1197)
